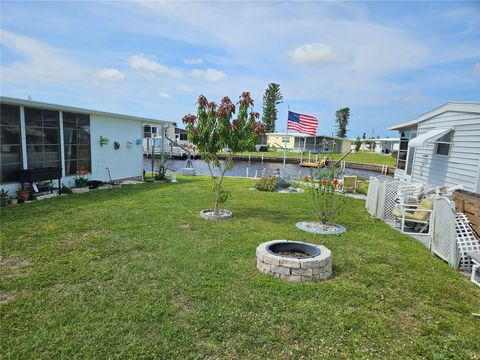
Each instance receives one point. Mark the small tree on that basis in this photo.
(326, 204)
(358, 144)
(341, 118)
(161, 163)
(271, 99)
(214, 129)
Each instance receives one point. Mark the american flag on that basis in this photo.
(302, 123)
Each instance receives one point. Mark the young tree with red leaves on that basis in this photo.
(215, 128)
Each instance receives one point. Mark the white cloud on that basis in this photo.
(318, 54)
(476, 69)
(195, 61)
(184, 89)
(40, 64)
(415, 97)
(110, 75)
(143, 63)
(211, 75)
(44, 64)
(164, 95)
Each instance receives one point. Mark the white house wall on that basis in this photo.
(462, 164)
(125, 162)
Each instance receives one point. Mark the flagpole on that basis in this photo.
(285, 144)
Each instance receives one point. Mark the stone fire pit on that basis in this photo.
(294, 261)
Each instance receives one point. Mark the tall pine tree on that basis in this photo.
(342, 117)
(271, 99)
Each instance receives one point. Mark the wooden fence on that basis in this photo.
(469, 203)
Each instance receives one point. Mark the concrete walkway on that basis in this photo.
(423, 238)
(356, 196)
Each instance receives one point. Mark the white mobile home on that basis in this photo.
(38, 135)
(302, 142)
(379, 146)
(442, 147)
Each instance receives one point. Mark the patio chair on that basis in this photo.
(475, 256)
(410, 193)
(416, 214)
(349, 184)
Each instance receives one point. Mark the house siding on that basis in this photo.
(462, 164)
(125, 162)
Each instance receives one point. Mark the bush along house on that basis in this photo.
(441, 147)
(41, 141)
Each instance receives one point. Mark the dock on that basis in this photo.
(382, 169)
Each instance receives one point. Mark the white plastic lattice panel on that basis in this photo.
(372, 196)
(443, 242)
(387, 192)
(381, 200)
(390, 195)
(466, 241)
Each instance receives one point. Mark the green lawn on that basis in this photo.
(136, 273)
(360, 157)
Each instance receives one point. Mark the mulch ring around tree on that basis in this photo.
(320, 228)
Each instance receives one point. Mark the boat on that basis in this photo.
(312, 164)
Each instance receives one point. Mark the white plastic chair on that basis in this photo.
(475, 256)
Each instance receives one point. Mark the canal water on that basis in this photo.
(250, 169)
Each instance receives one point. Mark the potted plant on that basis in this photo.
(3, 198)
(326, 204)
(213, 130)
(81, 178)
(13, 200)
(23, 195)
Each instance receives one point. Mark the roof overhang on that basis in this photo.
(430, 136)
(450, 106)
(42, 105)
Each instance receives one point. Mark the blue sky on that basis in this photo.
(387, 61)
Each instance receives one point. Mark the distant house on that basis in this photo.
(380, 146)
(299, 142)
(152, 137)
(38, 135)
(441, 147)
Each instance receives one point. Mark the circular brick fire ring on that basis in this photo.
(294, 261)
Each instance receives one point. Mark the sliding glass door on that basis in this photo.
(10, 144)
(43, 138)
(76, 138)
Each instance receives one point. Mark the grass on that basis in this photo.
(136, 273)
(359, 157)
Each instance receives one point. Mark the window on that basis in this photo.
(403, 149)
(10, 144)
(43, 138)
(411, 156)
(76, 139)
(444, 143)
(147, 131)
